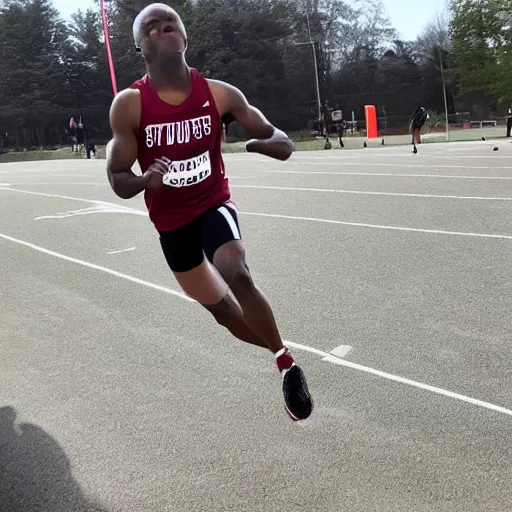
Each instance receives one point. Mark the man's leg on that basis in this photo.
(229, 314)
(229, 260)
(223, 247)
(199, 279)
(204, 284)
(216, 231)
(221, 240)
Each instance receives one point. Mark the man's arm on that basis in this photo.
(122, 149)
(265, 138)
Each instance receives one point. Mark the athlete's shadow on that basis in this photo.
(35, 473)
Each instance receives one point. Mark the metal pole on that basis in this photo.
(319, 102)
(444, 93)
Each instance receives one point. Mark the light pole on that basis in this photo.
(444, 93)
(319, 101)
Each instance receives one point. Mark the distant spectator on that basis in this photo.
(509, 120)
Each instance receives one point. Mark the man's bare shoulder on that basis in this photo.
(126, 109)
(220, 86)
(226, 95)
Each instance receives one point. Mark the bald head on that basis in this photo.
(152, 15)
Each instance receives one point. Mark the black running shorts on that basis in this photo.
(185, 247)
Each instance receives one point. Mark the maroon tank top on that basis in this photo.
(190, 136)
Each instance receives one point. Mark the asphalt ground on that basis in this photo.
(389, 274)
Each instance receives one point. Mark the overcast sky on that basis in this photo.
(408, 16)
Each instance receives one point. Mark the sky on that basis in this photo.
(407, 16)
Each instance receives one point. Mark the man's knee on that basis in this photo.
(230, 262)
(242, 280)
(237, 277)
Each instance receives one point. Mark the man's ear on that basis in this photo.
(138, 49)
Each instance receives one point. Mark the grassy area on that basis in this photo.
(301, 144)
(26, 156)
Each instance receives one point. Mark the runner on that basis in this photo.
(170, 122)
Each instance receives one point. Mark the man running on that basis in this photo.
(170, 122)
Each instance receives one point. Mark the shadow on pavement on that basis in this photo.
(35, 473)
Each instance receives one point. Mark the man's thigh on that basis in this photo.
(183, 251)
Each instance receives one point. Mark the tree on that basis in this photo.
(364, 34)
(482, 46)
(89, 77)
(33, 41)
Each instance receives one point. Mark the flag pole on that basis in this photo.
(107, 46)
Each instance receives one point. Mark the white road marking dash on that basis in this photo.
(341, 351)
(122, 250)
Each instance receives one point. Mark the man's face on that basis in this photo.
(161, 32)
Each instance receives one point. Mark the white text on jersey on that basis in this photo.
(180, 132)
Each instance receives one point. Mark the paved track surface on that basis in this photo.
(118, 394)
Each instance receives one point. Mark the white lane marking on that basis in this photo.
(305, 348)
(122, 250)
(375, 154)
(310, 155)
(421, 165)
(369, 193)
(324, 173)
(325, 356)
(98, 267)
(417, 164)
(55, 183)
(44, 174)
(341, 351)
(96, 202)
(390, 175)
(420, 385)
(42, 171)
(376, 226)
(99, 208)
(289, 217)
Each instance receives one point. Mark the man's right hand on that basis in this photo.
(154, 174)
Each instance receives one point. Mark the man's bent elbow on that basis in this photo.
(289, 149)
(118, 188)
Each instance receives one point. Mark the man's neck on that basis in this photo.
(171, 73)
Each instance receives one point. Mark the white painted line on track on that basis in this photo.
(98, 267)
(325, 356)
(305, 348)
(377, 154)
(279, 216)
(55, 183)
(81, 199)
(386, 174)
(122, 250)
(389, 376)
(377, 226)
(370, 193)
(44, 174)
(424, 165)
(341, 351)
